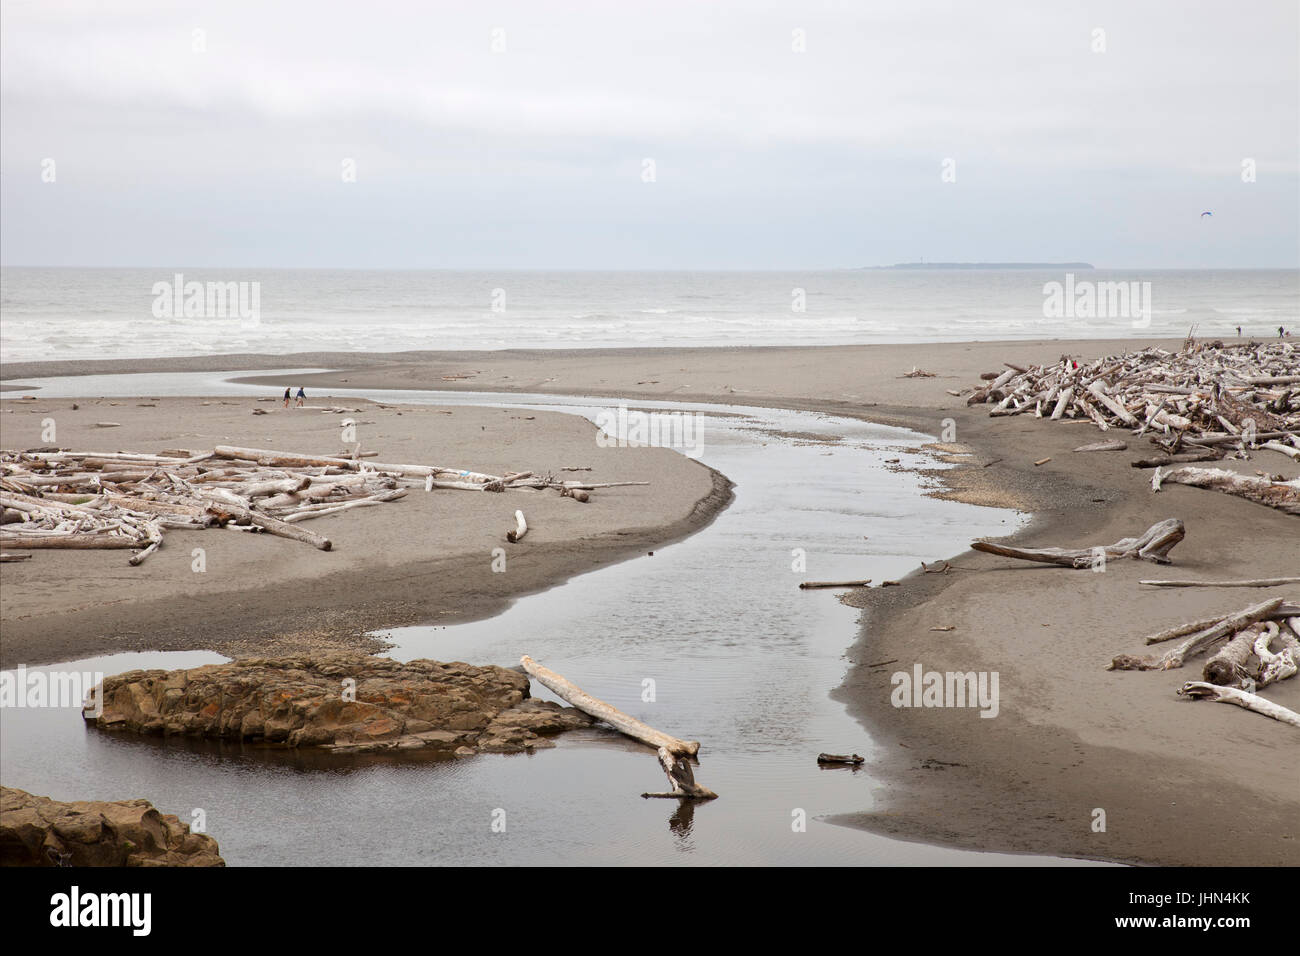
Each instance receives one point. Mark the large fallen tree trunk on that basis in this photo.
(1231, 695)
(1154, 545)
(1283, 495)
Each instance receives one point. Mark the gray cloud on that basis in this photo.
(533, 157)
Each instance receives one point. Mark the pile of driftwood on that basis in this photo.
(1207, 391)
(1202, 403)
(1256, 646)
(58, 498)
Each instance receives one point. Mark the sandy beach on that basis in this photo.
(1180, 782)
(425, 558)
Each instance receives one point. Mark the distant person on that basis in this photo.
(286, 396)
(1281, 332)
(1239, 331)
(302, 397)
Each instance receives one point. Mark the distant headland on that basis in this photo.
(986, 265)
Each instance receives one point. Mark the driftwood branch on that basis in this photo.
(1153, 545)
(1231, 695)
(1251, 583)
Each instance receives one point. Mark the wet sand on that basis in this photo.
(1181, 782)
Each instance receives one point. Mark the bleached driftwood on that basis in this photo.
(1287, 450)
(519, 530)
(1153, 545)
(1249, 583)
(1113, 445)
(1231, 695)
(1283, 495)
(58, 498)
(575, 695)
(1199, 640)
(1279, 666)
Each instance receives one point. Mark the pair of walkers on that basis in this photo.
(302, 397)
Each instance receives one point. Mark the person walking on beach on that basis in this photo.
(286, 396)
(302, 397)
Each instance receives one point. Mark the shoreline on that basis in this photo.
(1181, 782)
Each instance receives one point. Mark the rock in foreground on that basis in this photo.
(38, 831)
(339, 703)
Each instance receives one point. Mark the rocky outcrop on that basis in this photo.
(38, 831)
(339, 703)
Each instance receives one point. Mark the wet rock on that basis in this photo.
(342, 703)
(38, 831)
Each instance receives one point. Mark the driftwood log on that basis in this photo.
(519, 530)
(1285, 663)
(1228, 665)
(840, 758)
(672, 752)
(1283, 495)
(1231, 695)
(1250, 583)
(1199, 641)
(1153, 545)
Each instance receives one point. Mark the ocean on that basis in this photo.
(56, 314)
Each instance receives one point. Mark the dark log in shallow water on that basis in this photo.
(1153, 545)
(840, 758)
(805, 585)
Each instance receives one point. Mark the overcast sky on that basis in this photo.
(534, 156)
